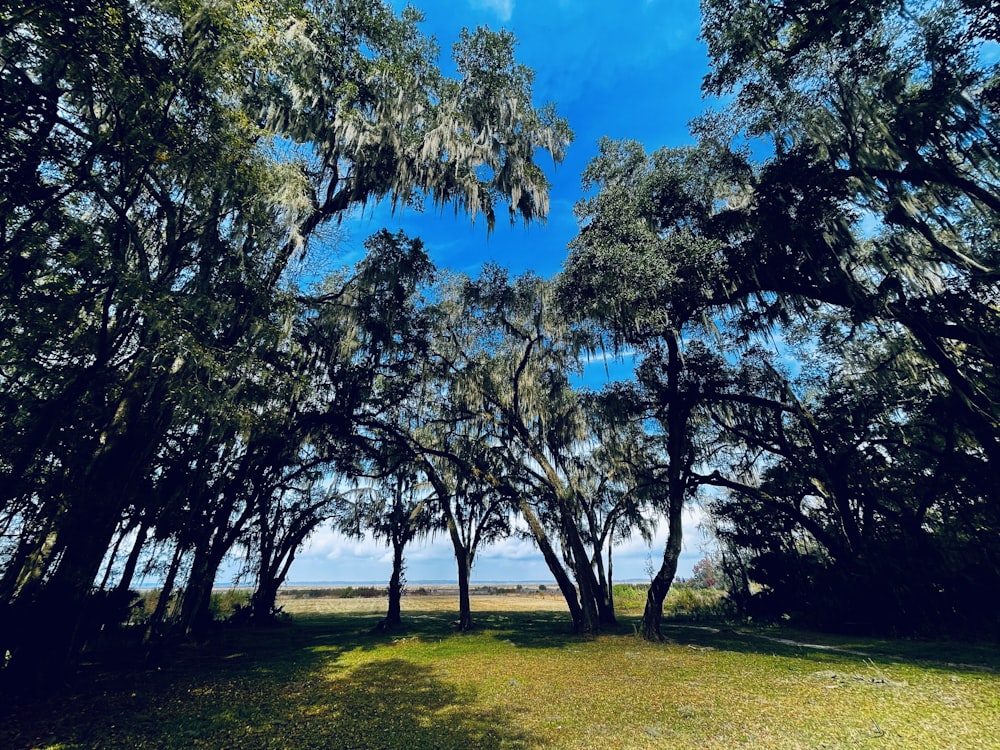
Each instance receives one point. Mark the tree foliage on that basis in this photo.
(842, 206)
(163, 165)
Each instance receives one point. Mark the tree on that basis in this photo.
(365, 335)
(280, 527)
(503, 354)
(869, 202)
(850, 497)
(647, 267)
(888, 113)
(473, 510)
(874, 206)
(158, 182)
(394, 510)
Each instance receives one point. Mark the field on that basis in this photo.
(521, 680)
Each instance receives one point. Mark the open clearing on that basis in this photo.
(522, 681)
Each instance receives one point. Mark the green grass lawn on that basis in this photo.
(522, 681)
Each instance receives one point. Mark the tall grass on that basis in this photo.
(683, 602)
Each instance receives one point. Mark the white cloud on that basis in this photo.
(512, 548)
(330, 556)
(503, 8)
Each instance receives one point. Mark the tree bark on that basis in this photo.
(552, 561)
(585, 579)
(652, 616)
(128, 572)
(196, 604)
(394, 613)
(464, 560)
(154, 626)
(677, 472)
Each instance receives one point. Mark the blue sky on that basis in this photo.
(628, 69)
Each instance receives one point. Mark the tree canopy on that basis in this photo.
(842, 208)
(810, 290)
(164, 164)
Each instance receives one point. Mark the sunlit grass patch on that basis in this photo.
(520, 680)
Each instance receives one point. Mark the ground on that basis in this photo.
(521, 680)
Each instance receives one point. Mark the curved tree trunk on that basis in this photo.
(112, 556)
(272, 577)
(652, 616)
(585, 579)
(264, 602)
(46, 616)
(679, 457)
(128, 572)
(52, 598)
(196, 604)
(555, 567)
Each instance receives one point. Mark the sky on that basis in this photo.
(629, 69)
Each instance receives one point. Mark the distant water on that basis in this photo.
(343, 584)
(380, 583)
(422, 582)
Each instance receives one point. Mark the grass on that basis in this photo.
(520, 680)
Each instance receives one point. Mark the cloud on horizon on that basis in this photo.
(329, 556)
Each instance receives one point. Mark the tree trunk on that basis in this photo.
(464, 560)
(585, 580)
(652, 616)
(394, 614)
(605, 599)
(679, 459)
(47, 612)
(271, 578)
(552, 561)
(263, 604)
(154, 626)
(196, 604)
(610, 591)
(128, 572)
(109, 568)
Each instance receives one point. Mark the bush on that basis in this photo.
(630, 597)
(361, 592)
(224, 604)
(686, 603)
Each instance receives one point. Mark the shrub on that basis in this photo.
(687, 603)
(224, 604)
(361, 592)
(630, 597)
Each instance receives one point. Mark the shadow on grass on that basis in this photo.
(279, 687)
(543, 629)
(948, 656)
(289, 687)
